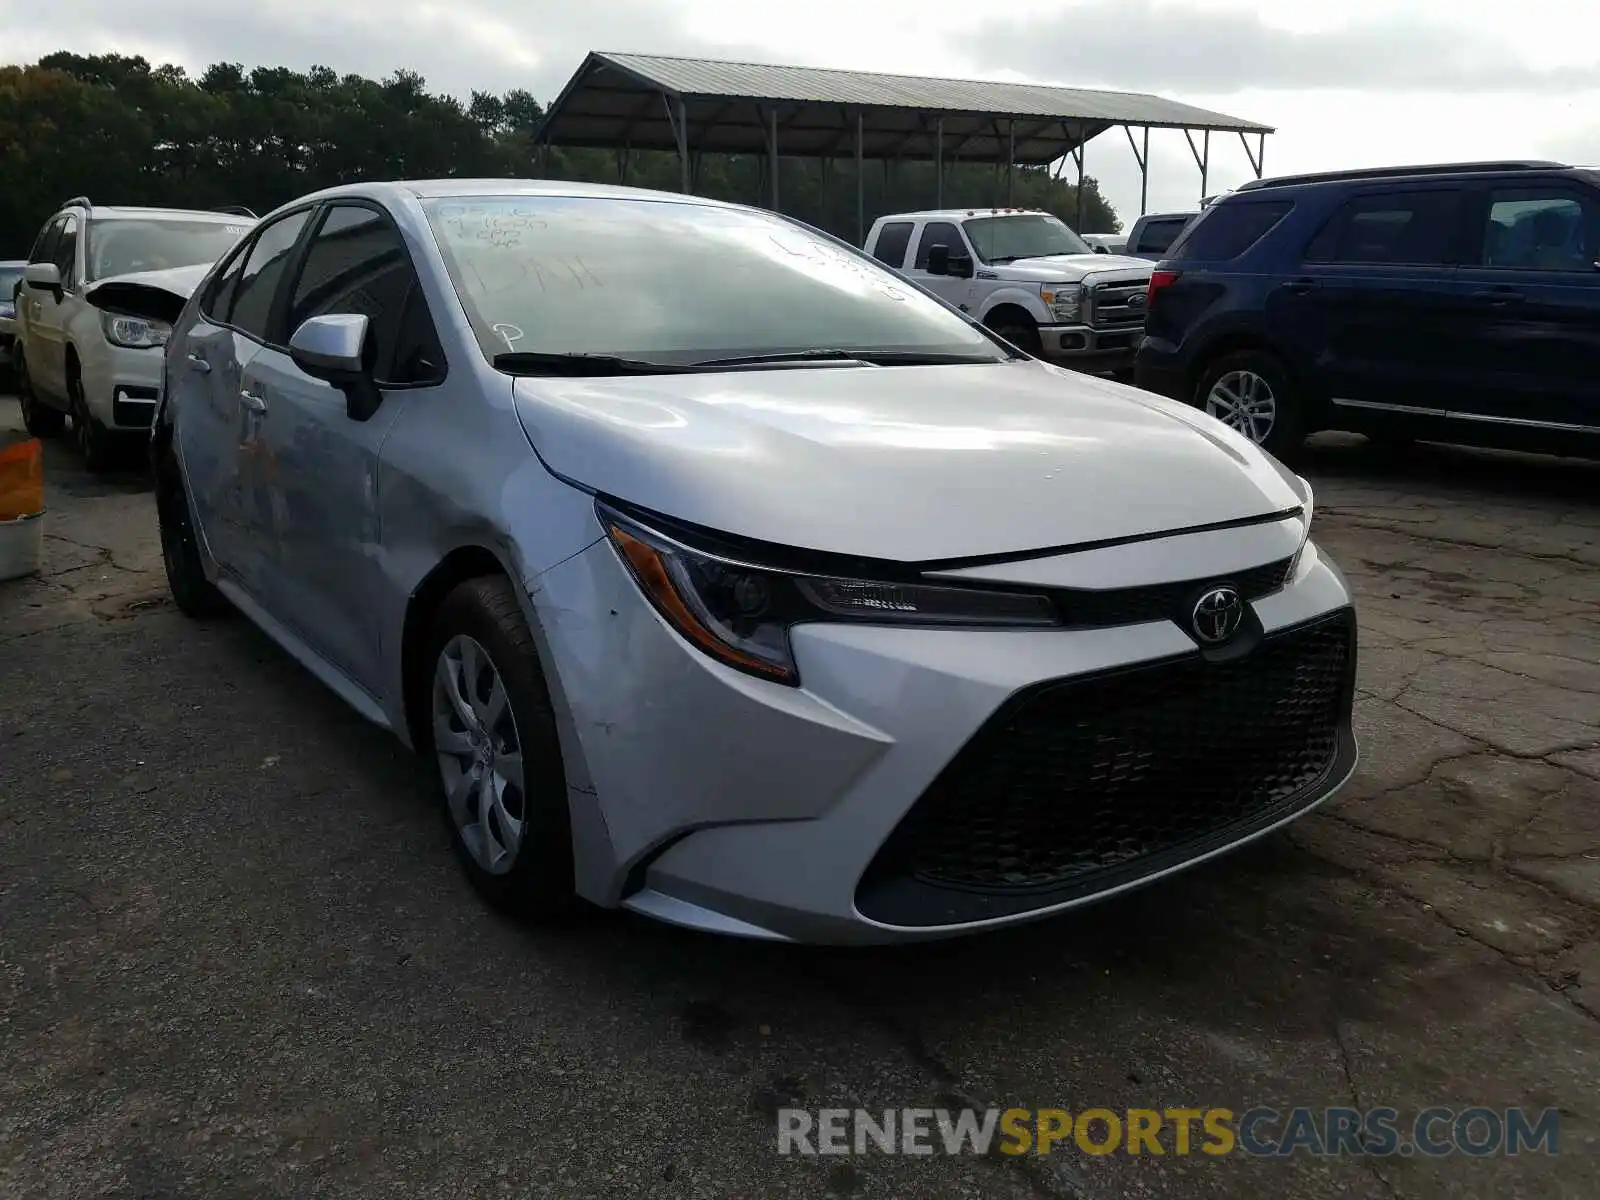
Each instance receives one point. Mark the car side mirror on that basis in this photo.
(938, 259)
(961, 266)
(338, 349)
(43, 277)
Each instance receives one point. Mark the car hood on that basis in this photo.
(153, 295)
(906, 463)
(1054, 266)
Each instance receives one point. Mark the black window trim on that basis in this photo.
(1481, 201)
(1453, 248)
(278, 320)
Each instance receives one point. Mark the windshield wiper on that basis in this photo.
(783, 356)
(874, 358)
(537, 362)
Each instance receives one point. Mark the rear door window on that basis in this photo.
(1541, 229)
(890, 248)
(1223, 232)
(1390, 228)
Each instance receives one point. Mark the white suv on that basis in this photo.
(72, 359)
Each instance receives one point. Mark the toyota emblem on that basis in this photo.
(1217, 616)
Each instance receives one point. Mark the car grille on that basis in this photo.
(1112, 304)
(1078, 785)
(1131, 606)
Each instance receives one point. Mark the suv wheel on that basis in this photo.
(95, 442)
(38, 418)
(194, 594)
(492, 735)
(1252, 393)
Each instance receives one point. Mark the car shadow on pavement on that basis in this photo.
(1435, 465)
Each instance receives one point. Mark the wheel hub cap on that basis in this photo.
(1244, 401)
(479, 750)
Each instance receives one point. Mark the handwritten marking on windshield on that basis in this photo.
(508, 333)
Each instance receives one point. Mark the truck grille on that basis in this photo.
(1112, 304)
(1077, 785)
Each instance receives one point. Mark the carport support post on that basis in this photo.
(678, 116)
(861, 187)
(1205, 162)
(1143, 158)
(1011, 158)
(938, 162)
(1077, 216)
(772, 153)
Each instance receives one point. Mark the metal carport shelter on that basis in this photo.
(692, 106)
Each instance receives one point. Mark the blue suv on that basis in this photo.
(1456, 303)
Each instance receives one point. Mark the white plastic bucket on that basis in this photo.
(21, 546)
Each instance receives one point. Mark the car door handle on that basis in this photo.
(197, 363)
(1300, 287)
(253, 402)
(1499, 295)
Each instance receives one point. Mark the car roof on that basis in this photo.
(961, 214)
(435, 189)
(1446, 172)
(112, 212)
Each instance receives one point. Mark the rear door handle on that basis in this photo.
(253, 402)
(1498, 295)
(1299, 287)
(197, 363)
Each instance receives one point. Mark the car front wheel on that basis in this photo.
(194, 594)
(491, 732)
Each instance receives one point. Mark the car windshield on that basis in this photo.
(121, 245)
(1006, 239)
(678, 283)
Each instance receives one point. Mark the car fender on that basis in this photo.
(1018, 296)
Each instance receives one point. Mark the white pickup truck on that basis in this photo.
(1026, 276)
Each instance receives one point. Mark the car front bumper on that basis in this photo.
(740, 806)
(122, 386)
(1088, 348)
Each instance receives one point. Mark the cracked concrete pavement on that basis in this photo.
(237, 959)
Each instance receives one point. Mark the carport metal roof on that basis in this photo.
(693, 106)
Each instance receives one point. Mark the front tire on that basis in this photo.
(194, 594)
(39, 419)
(1024, 337)
(491, 733)
(95, 442)
(1254, 394)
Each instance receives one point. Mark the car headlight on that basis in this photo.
(7, 309)
(740, 613)
(135, 333)
(1064, 299)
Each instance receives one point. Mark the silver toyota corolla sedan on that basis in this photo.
(722, 574)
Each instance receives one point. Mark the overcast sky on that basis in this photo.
(1362, 82)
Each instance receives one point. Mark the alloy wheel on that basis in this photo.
(479, 749)
(1244, 401)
